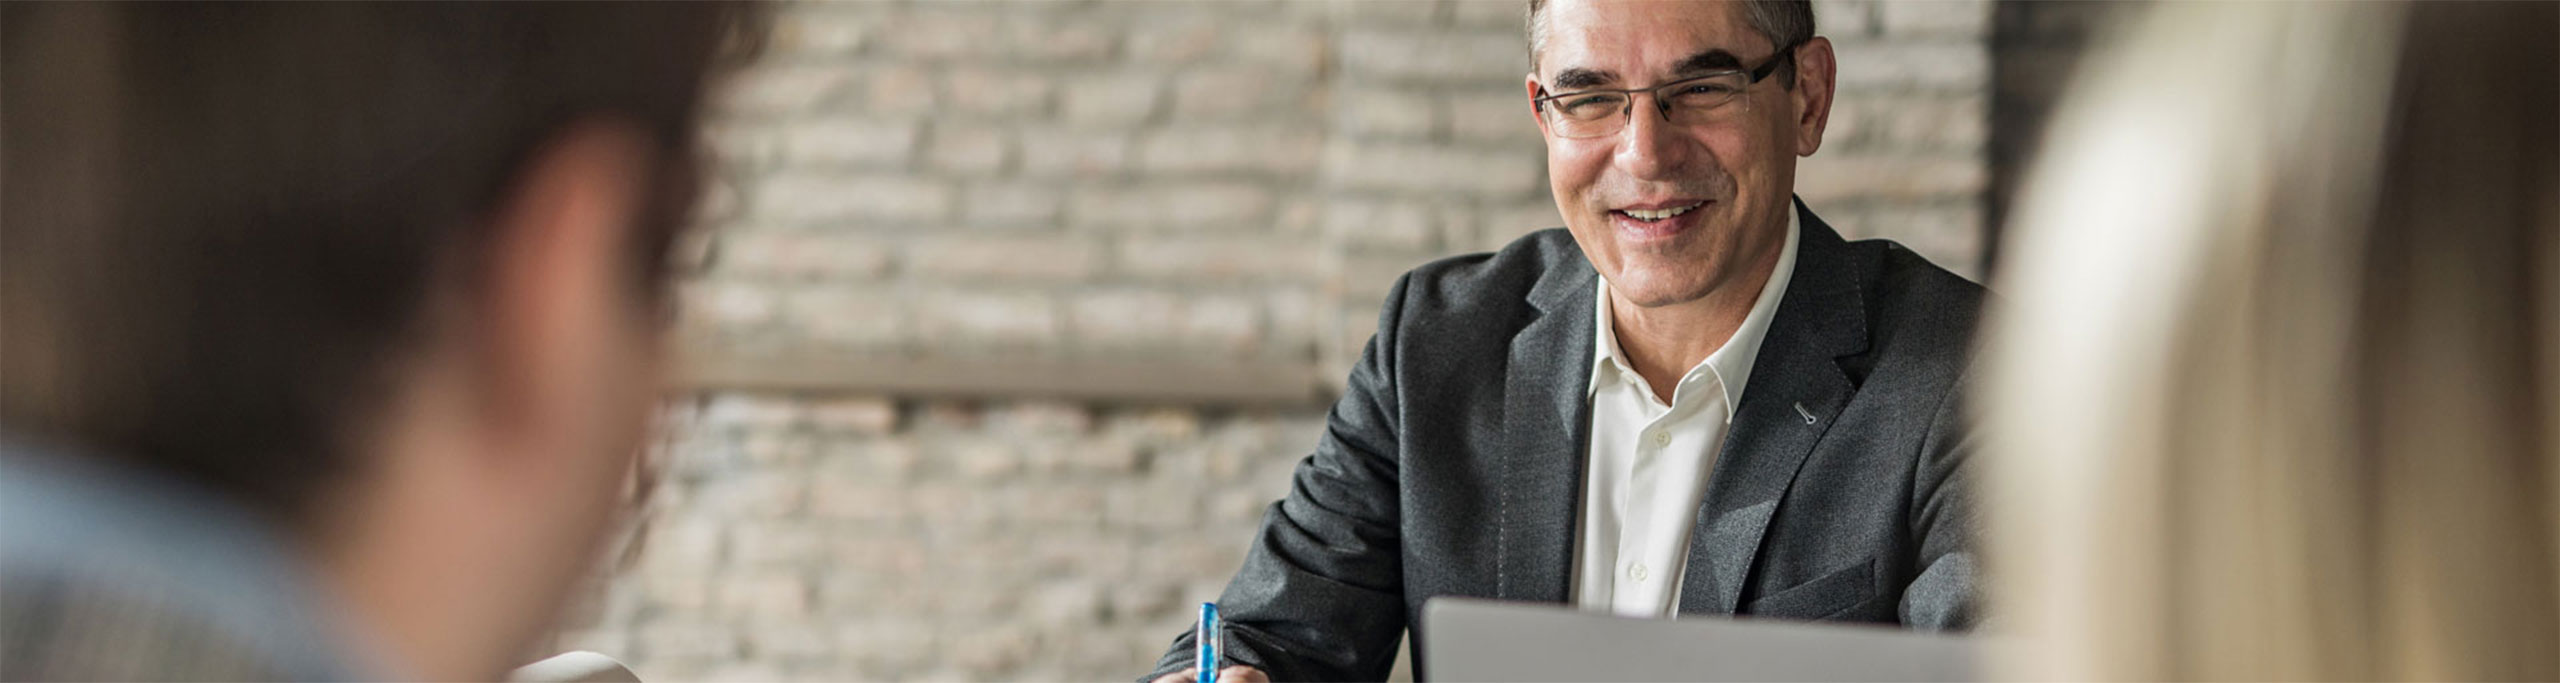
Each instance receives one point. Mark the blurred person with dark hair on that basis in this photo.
(328, 331)
(1567, 420)
(2278, 395)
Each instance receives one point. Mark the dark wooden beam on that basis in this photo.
(1186, 382)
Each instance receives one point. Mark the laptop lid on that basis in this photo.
(1483, 640)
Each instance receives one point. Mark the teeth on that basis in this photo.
(1644, 215)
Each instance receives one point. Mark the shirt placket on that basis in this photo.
(1637, 574)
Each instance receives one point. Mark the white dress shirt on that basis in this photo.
(1649, 461)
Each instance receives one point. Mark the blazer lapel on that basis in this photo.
(1545, 425)
(1796, 390)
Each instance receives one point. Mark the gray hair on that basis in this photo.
(1785, 23)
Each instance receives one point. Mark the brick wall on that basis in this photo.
(1223, 182)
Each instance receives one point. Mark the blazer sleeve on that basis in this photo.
(1943, 595)
(1321, 593)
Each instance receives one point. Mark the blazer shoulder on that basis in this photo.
(1479, 283)
(1918, 310)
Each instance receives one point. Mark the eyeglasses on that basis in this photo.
(1688, 101)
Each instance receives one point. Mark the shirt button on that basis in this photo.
(1661, 439)
(1636, 572)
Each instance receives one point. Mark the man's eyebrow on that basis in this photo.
(1576, 78)
(1711, 60)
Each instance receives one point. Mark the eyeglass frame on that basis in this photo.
(1538, 104)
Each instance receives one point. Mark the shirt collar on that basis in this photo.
(1732, 362)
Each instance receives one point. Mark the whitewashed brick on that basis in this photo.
(1845, 20)
(1039, 417)
(894, 559)
(942, 33)
(899, 88)
(1402, 225)
(856, 497)
(782, 90)
(840, 315)
(996, 92)
(1065, 603)
(988, 318)
(1385, 12)
(1294, 316)
(1155, 426)
(1491, 14)
(1434, 169)
(1293, 51)
(1012, 204)
(1498, 115)
(1501, 224)
(797, 639)
(675, 543)
(1059, 504)
(1436, 56)
(1188, 207)
(871, 415)
(686, 640)
(808, 198)
(802, 254)
(687, 594)
(1050, 39)
(817, 30)
(1828, 178)
(1151, 505)
(989, 258)
(1174, 39)
(732, 411)
(761, 596)
(967, 149)
(1956, 124)
(1953, 65)
(783, 544)
(982, 458)
(775, 450)
(1064, 152)
(1220, 259)
(1160, 320)
(1239, 92)
(1379, 112)
(1111, 99)
(1107, 455)
(727, 305)
(1275, 150)
(1937, 18)
(747, 495)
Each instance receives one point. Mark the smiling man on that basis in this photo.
(1696, 398)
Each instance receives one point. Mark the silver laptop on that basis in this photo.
(1483, 640)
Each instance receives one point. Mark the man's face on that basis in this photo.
(1725, 176)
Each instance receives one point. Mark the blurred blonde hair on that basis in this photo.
(2276, 393)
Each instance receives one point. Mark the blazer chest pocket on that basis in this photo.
(1824, 597)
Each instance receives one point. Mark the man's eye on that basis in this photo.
(1583, 104)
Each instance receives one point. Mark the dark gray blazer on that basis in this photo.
(1453, 463)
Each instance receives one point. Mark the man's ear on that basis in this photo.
(553, 288)
(1816, 72)
(1530, 83)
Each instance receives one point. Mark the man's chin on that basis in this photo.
(1646, 289)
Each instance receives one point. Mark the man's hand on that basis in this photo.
(1232, 674)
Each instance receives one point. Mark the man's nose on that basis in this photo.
(1651, 148)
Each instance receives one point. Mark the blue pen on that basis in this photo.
(1206, 652)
